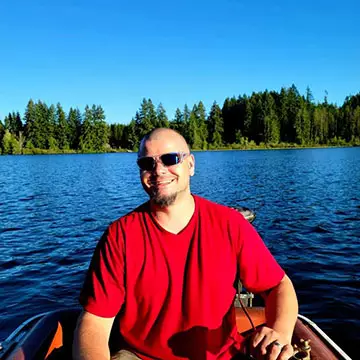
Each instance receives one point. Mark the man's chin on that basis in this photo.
(164, 200)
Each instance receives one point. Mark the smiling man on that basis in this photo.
(167, 272)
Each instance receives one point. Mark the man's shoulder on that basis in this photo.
(133, 217)
(220, 211)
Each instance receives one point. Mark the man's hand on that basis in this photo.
(273, 342)
(268, 344)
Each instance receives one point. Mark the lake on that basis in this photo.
(54, 208)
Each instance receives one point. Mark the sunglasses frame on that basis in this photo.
(157, 158)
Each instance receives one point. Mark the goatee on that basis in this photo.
(164, 200)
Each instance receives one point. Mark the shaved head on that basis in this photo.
(164, 135)
(166, 184)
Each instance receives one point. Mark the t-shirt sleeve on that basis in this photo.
(258, 269)
(103, 291)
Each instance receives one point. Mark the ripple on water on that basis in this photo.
(14, 229)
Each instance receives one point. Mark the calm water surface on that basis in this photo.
(54, 208)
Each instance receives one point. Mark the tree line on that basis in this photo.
(263, 119)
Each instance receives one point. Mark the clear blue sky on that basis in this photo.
(115, 53)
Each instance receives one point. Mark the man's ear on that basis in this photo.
(191, 165)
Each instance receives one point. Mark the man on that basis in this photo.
(168, 270)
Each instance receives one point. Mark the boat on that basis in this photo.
(50, 335)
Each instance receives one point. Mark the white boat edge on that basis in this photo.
(324, 336)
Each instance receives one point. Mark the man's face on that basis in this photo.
(164, 184)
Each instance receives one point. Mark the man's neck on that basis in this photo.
(175, 217)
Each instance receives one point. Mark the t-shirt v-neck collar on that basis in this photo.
(189, 226)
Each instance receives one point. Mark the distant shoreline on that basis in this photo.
(236, 148)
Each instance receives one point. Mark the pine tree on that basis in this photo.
(52, 129)
(116, 135)
(247, 117)
(145, 118)
(162, 119)
(74, 127)
(195, 141)
(30, 118)
(215, 126)
(101, 130)
(62, 133)
(39, 127)
(178, 122)
(131, 139)
(271, 121)
(293, 108)
(258, 117)
(186, 121)
(200, 114)
(356, 116)
(86, 141)
(230, 116)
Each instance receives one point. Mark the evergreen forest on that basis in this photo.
(266, 119)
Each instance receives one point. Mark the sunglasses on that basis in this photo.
(148, 163)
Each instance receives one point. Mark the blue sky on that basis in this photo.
(115, 53)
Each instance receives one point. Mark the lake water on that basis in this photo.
(54, 208)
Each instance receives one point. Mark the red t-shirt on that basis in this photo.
(176, 292)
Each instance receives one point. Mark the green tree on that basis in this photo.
(74, 121)
(13, 123)
(101, 129)
(30, 119)
(293, 109)
(247, 117)
(271, 121)
(62, 131)
(320, 125)
(200, 113)
(162, 119)
(87, 141)
(356, 116)
(215, 126)
(145, 118)
(2, 132)
(185, 132)
(39, 128)
(10, 144)
(51, 142)
(230, 117)
(178, 122)
(193, 130)
(130, 140)
(258, 117)
(116, 135)
(306, 125)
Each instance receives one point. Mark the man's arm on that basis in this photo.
(281, 308)
(91, 337)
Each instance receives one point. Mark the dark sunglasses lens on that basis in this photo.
(146, 163)
(170, 159)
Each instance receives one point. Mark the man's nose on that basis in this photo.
(159, 168)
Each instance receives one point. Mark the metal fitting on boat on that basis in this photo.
(302, 352)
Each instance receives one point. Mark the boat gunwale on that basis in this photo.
(324, 336)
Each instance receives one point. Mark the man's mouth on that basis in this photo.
(161, 182)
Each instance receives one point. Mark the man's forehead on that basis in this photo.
(161, 146)
(162, 142)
